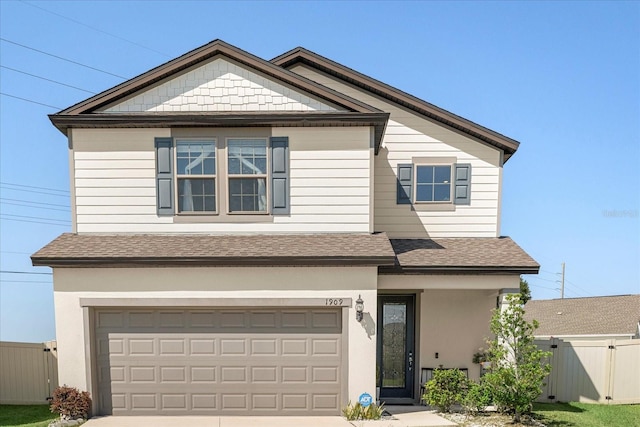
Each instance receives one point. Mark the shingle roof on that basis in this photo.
(318, 249)
(463, 254)
(586, 316)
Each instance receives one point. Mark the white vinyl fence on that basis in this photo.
(28, 372)
(592, 371)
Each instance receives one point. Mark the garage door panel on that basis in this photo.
(199, 362)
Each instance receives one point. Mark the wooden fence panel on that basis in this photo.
(28, 372)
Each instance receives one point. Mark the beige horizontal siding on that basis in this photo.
(407, 136)
(329, 170)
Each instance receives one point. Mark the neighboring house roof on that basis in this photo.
(194, 249)
(87, 114)
(473, 255)
(607, 315)
(444, 117)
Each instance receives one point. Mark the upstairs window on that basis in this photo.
(433, 183)
(247, 173)
(196, 176)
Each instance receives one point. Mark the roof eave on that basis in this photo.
(444, 117)
(425, 269)
(153, 120)
(373, 261)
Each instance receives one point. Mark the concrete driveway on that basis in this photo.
(402, 416)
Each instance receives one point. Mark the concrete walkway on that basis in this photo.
(401, 416)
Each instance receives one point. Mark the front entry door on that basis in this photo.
(396, 348)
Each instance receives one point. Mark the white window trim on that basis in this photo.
(177, 176)
(229, 176)
(433, 161)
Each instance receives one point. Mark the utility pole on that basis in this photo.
(562, 283)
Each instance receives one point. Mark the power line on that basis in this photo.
(31, 101)
(95, 29)
(33, 186)
(44, 78)
(37, 203)
(34, 191)
(34, 207)
(61, 58)
(25, 281)
(34, 222)
(37, 217)
(23, 272)
(16, 253)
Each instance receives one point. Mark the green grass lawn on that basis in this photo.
(26, 415)
(587, 415)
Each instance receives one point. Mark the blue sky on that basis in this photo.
(563, 78)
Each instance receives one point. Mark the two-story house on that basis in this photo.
(273, 237)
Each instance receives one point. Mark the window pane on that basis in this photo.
(247, 194)
(247, 156)
(442, 193)
(442, 174)
(424, 193)
(196, 157)
(196, 195)
(424, 174)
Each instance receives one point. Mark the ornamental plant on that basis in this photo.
(70, 403)
(446, 388)
(358, 412)
(518, 367)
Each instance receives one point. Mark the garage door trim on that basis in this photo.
(217, 302)
(90, 331)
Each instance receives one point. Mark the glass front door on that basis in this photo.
(396, 352)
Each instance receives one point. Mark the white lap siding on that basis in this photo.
(408, 136)
(114, 178)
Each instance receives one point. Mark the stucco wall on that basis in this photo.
(73, 284)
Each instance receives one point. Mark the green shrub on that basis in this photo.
(478, 396)
(70, 403)
(358, 412)
(446, 388)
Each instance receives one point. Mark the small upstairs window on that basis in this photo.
(196, 176)
(433, 183)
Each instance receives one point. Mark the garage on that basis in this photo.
(222, 361)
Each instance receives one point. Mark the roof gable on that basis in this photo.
(447, 119)
(200, 56)
(220, 84)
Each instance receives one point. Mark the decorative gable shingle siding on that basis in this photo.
(409, 136)
(219, 85)
(115, 182)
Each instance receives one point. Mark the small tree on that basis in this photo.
(518, 367)
(525, 291)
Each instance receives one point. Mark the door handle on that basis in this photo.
(410, 361)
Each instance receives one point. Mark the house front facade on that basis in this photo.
(273, 238)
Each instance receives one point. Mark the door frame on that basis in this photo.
(413, 329)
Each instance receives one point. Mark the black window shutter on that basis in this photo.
(164, 176)
(405, 184)
(462, 184)
(280, 197)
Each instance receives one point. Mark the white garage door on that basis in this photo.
(219, 361)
